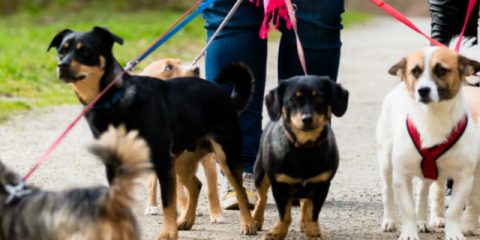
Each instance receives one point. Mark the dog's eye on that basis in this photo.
(416, 71)
(169, 68)
(439, 70)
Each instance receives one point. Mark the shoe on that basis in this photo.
(229, 199)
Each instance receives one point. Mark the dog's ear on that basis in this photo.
(339, 99)
(273, 101)
(104, 32)
(399, 68)
(467, 67)
(57, 40)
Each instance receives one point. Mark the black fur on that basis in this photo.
(171, 115)
(305, 95)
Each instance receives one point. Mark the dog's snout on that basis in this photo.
(424, 91)
(63, 65)
(196, 71)
(307, 119)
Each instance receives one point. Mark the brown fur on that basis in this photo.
(97, 213)
(89, 87)
(302, 136)
(187, 162)
(258, 212)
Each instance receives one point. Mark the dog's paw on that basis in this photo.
(388, 225)
(437, 222)
(469, 229)
(317, 235)
(274, 236)
(423, 227)
(409, 236)
(454, 236)
(167, 236)
(151, 210)
(185, 224)
(217, 218)
(248, 228)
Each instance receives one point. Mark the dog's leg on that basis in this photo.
(422, 204)
(284, 206)
(461, 191)
(166, 174)
(181, 197)
(210, 168)
(385, 162)
(437, 201)
(152, 208)
(312, 210)
(186, 168)
(470, 216)
(403, 185)
(303, 214)
(262, 191)
(234, 176)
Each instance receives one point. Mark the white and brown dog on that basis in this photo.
(472, 96)
(165, 69)
(425, 130)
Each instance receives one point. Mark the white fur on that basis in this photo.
(400, 161)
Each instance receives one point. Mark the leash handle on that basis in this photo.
(400, 17)
(219, 29)
(293, 20)
(471, 6)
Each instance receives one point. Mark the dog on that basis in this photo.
(97, 213)
(172, 116)
(424, 114)
(165, 69)
(298, 154)
(472, 95)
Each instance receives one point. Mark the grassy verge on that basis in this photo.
(27, 71)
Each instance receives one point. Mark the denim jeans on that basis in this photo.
(319, 25)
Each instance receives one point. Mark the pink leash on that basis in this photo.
(293, 20)
(400, 17)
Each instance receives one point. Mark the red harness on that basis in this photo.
(431, 154)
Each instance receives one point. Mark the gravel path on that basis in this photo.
(353, 209)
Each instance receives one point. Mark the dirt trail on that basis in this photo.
(353, 209)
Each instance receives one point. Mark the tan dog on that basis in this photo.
(187, 161)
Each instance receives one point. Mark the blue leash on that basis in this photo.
(159, 42)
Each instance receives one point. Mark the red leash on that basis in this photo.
(400, 17)
(129, 67)
(471, 5)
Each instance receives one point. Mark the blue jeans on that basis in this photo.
(319, 25)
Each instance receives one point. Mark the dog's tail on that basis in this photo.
(241, 76)
(129, 156)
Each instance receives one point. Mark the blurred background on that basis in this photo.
(27, 71)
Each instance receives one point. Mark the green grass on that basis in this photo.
(27, 70)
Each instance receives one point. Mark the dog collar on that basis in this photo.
(109, 103)
(16, 192)
(431, 154)
(291, 138)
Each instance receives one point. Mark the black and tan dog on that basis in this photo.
(298, 154)
(97, 213)
(166, 69)
(171, 115)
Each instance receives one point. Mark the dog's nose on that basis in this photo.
(424, 91)
(307, 119)
(196, 71)
(63, 65)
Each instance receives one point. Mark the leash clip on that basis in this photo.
(16, 191)
(131, 65)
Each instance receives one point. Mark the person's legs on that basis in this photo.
(448, 17)
(240, 41)
(319, 25)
